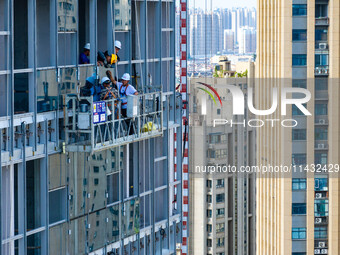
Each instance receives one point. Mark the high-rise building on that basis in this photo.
(78, 177)
(228, 40)
(222, 205)
(298, 46)
(247, 42)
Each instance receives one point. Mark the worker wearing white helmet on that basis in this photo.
(124, 89)
(118, 46)
(83, 57)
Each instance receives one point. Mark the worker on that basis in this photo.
(106, 59)
(107, 92)
(124, 90)
(91, 88)
(118, 47)
(83, 57)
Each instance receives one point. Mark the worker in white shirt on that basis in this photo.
(124, 90)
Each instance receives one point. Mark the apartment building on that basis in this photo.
(222, 205)
(298, 46)
(75, 178)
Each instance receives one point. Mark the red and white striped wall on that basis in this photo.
(185, 162)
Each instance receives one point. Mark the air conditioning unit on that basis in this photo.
(322, 46)
(321, 146)
(318, 220)
(322, 121)
(324, 251)
(317, 251)
(322, 244)
(318, 195)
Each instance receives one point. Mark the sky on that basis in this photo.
(223, 3)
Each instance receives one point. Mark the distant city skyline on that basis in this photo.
(223, 3)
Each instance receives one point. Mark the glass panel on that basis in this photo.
(112, 229)
(34, 244)
(58, 239)
(3, 95)
(78, 184)
(321, 184)
(47, 90)
(299, 9)
(57, 205)
(321, 208)
(20, 93)
(77, 238)
(3, 52)
(3, 15)
(67, 53)
(44, 33)
(113, 188)
(161, 205)
(57, 170)
(67, 15)
(145, 207)
(97, 180)
(20, 34)
(96, 231)
(9, 189)
(130, 217)
(122, 15)
(68, 80)
(33, 190)
(299, 34)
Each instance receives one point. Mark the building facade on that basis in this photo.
(297, 215)
(75, 178)
(222, 205)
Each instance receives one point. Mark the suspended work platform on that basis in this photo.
(95, 126)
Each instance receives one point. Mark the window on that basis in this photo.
(209, 213)
(219, 227)
(299, 34)
(220, 198)
(299, 9)
(209, 242)
(298, 208)
(220, 212)
(321, 109)
(321, 60)
(57, 205)
(321, 133)
(298, 233)
(299, 60)
(320, 184)
(209, 183)
(320, 158)
(320, 232)
(112, 188)
(299, 159)
(220, 242)
(209, 228)
(296, 111)
(321, 35)
(208, 198)
(218, 111)
(219, 154)
(217, 138)
(220, 183)
(321, 84)
(321, 208)
(299, 134)
(321, 10)
(299, 184)
(299, 83)
(298, 253)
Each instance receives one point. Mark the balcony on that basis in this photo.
(321, 47)
(321, 71)
(322, 21)
(321, 145)
(95, 126)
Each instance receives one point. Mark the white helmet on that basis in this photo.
(126, 77)
(87, 46)
(118, 44)
(105, 80)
